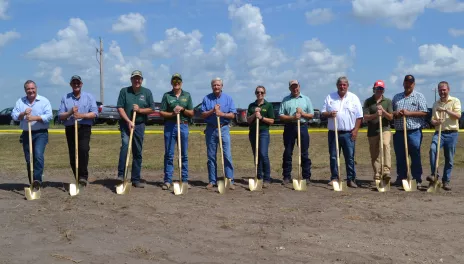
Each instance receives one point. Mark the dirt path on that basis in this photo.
(278, 225)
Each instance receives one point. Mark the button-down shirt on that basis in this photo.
(453, 104)
(290, 104)
(170, 101)
(40, 107)
(348, 108)
(414, 102)
(226, 103)
(86, 104)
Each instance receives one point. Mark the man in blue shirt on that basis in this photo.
(218, 104)
(37, 110)
(83, 107)
(294, 107)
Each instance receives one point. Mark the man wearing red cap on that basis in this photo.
(374, 107)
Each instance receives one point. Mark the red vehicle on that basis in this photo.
(155, 117)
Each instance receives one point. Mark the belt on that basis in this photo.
(449, 131)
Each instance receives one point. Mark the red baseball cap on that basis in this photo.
(380, 84)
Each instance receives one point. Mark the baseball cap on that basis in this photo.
(76, 77)
(176, 76)
(292, 82)
(136, 73)
(409, 78)
(379, 84)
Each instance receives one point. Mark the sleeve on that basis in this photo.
(309, 105)
(232, 108)
(190, 103)
(121, 99)
(422, 104)
(457, 106)
(359, 110)
(151, 101)
(282, 108)
(93, 105)
(326, 103)
(164, 104)
(271, 111)
(47, 115)
(204, 105)
(16, 110)
(62, 108)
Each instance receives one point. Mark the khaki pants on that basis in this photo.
(374, 148)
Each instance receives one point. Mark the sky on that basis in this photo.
(246, 43)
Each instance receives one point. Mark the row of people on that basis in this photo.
(341, 105)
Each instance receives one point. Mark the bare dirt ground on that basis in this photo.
(278, 225)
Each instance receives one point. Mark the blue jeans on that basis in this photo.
(137, 144)
(170, 139)
(264, 166)
(39, 141)
(290, 136)
(348, 147)
(414, 145)
(448, 143)
(212, 142)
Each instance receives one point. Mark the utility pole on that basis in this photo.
(100, 51)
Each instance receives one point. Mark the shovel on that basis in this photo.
(436, 185)
(256, 184)
(299, 184)
(29, 191)
(340, 184)
(74, 188)
(383, 184)
(409, 184)
(125, 186)
(224, 183)
(179, 187)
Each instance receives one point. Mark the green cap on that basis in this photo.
(176, 76)
(136, 73)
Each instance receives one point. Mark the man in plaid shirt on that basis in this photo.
(413, 106)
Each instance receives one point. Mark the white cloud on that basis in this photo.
(8, 37)
(448, 6)
(177, 42)
(389, 40)
(3, 8)
(133, 23)
(456, 32)
(319, 16)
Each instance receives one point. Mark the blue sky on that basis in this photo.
(247, 43)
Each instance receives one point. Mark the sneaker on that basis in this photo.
(430, 178)
(120, 178)
(138, 184)
(266, 185)
(352, 184)
(36, 186)
(286, 181)
(446, 186)
(189, 186)
(419, 185)
(331, 183)
(398, 182)
(232, 186)
(83, 182)
(210, 186)
(166, 186)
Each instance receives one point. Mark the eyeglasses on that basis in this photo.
(176, 81)
(258, 92)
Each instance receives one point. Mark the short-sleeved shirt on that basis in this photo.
(40, 107)
(143, 98)
(414, 102)
(290, 104)
(453, 104)
(370, 107)
(170, 101)
(267, 111)
(86, 104)
(348, 108)
(226, 103)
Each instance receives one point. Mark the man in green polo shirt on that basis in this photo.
(264, 111)
(375, 106)
(176, 101)
(139, 99)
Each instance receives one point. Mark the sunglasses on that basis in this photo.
(176, 81)
(258, 92)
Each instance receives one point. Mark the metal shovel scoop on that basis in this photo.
(409, 185)
(74, 187)
(125, 186)
(256, 184)
(340, 184)
(299, 184)
(29, 191)
(179, 187)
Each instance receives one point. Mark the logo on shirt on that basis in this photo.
(183, 99)
(263, 110)
(142, 98)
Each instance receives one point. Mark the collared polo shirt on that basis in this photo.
(40, 107)
(348, 108)
(226, 103)
(267, 111)
(370, 107)
(290, 104)
(86, 104)
(414, 102)
(143, 98)
(453, 104)
(170, 101)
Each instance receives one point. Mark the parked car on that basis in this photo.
(107, 114)
(5, 117)
(276, 106)
(155, 117)
(428, 119)
(240, 117)
(316, 120)
(197, 119)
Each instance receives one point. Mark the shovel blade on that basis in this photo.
(299, 185)
(255, 184)
(221, 186)
(31, 195)
(180, 188)
(73, 189)
(123, 188)
(340, 186)
(409, 186)
(434, 187)
(382, 185)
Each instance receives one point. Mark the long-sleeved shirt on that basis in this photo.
(86, 104)
(40, 107)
